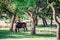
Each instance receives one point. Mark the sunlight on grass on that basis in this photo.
(43, 33)
(31, 39)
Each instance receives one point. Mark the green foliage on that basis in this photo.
(19, 6)
(41, 3)
(16, 6)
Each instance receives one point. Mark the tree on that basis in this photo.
(16, 4)
(54, 16)
(57, 23)
(34, 15)
(4, 6)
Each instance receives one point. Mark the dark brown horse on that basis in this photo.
(20, 25)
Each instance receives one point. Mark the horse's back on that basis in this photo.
(20, 24)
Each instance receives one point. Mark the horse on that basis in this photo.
(20, 25)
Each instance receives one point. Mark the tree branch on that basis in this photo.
(29, 14)
(54, 14)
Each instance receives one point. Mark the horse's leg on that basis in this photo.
(15, 29)
(24, 29)
(18, 29)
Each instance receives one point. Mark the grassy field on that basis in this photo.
(42, 33)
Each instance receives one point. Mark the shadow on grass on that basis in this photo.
(45, 35)
(47, 25)
(6, 34)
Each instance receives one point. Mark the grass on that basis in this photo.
(54, 25)
(42, 33)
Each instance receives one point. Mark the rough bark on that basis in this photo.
(12, 22)
(36, 15)
(36, 19)
(51, 21)
(33, 26)
(44, 21)
(57, 22)
(34, 22)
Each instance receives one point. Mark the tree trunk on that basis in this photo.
(12, 21)
(57, 22)
(36, 20)
(33, 26)
(51, 21)
(44, 21)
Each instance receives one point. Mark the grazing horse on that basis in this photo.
(20, 25)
